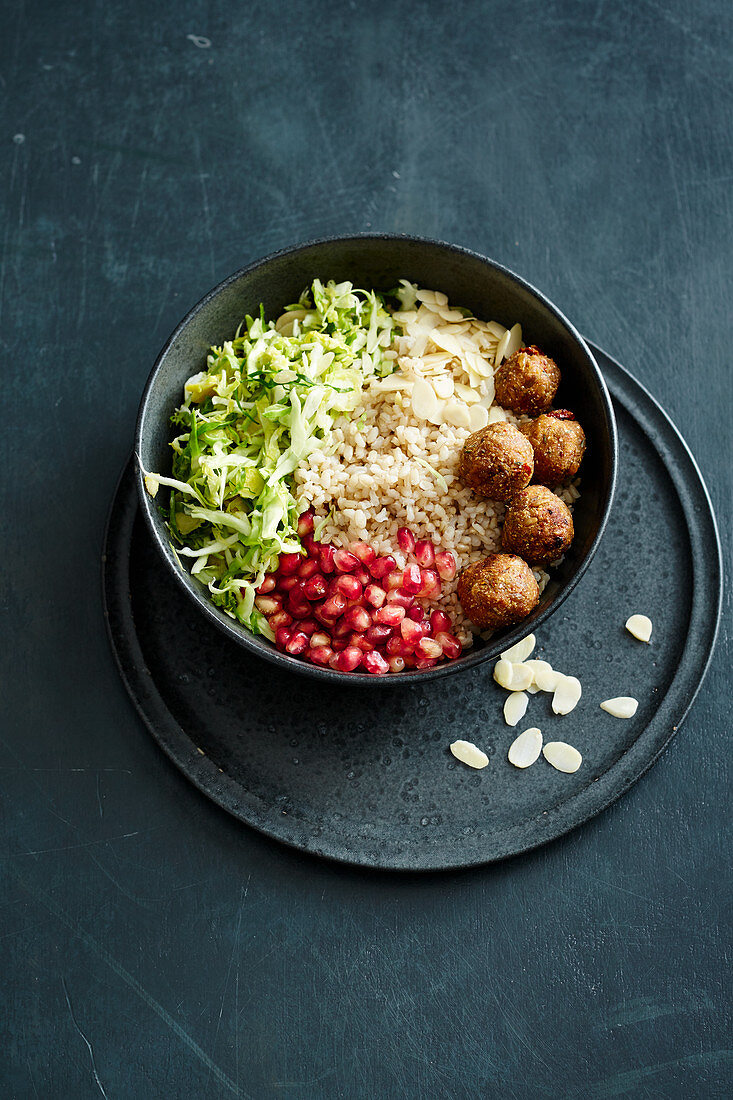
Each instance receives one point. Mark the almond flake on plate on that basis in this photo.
(562, 756)
(540, 668)
(640, 626)
(513, 677)
(520, 651)
(624, 706)
(526, 748)
(515, 707)
(469, 754)
(567, 694)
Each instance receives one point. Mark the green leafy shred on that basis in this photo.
(267, 399)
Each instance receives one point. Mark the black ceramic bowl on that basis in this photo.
(379, 262)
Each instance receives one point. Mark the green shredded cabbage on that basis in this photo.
(267, 399)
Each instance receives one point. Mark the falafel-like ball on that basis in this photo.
(558, 442)
(497, 591)
(538, 526)
(496, 461)
(527, 381)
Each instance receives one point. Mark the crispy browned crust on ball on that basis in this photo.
(497, 591)
(538, 526)
(558, 446)
(527, 381)
(496, 461)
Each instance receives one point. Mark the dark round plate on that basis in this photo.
(369, 780)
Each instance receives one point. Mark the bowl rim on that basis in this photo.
(261, 646)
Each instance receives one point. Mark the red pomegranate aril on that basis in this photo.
(341, 628)
(349, 586)
(297, 643)
(425, 553)
(405, 540)
(300, 609)
(308, 568)
(396, 663)
(361, 642)
(335, 604)
(286, 584)
(333, 661)
(412, 579)
(450, 645)
(329, 621)
(311, 547)
(344, 561)
(374, 595)
(428, 648)
(406, 650)
(380, 567)
(358, 618)
(401, 598)
(315, 587)
(327, 559)
(393, 580)
(349, 659)
(394, 645)
(415, 613)
(431, 586)
(363, 575)
(439, 621)
(280, 618)
(375, 663)
(305, 523)
(320, 654)
(282, 637)
(426, 662)
(389, 615)
(411, 631)
(319, 638)
(445, 563)
(307, 626)
(288, 564)
(268, 583)
(268, 605)
(363, 551)
(379, 633)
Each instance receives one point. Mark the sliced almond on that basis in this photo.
(470, 754)
(515, 707)
(467, 394)
(151, 484)
(567, 694)
(515, 340)
(501, 348)
(622, 707)
(423, 400)
(526, 748)
(504, 673)
(478, 417)
(640, 626)
(443, 386)
(546, 679)
(563, 757)
(496, 414)
(456, 414)
(520, 651)
(444, 339)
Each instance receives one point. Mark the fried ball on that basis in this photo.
(496, 461)
(497, 591)
(558, 442)
(527, 381)
(538, 526)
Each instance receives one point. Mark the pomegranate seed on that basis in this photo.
(344, 561)
(299, 609)
(333, 661)
(285, 584)
(393, 580)
(375, 663)
(407, 650)
(430, 584)
(406, 540)
(305, 523)
(394, 645)
(380, 567)
(268, 583)
(411, 631)
(335, 604)
(307, 627)
(349, 659)
(268, 605)
(339, 643)
(396, 663)
(320, 654)
(311, 547)
(282, 637)
(288, 564)
(358, 618)
(319, 638)
(327, 555)
(341, 628)
(450, 645)
(308, 568)
(363, 551)
(389, 615)
(362, 575)
(315, 587)
(400, 597)
(374, 595)
(328, 621)
(415, 613)
(428, 647)
(280, 618)
(425, 662)
(445, 563)
(412, 580)
(379, 634)
(425, 553)
(349, 586)
(439, 621)
(361, 642)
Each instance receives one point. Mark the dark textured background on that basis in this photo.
(150, 946)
